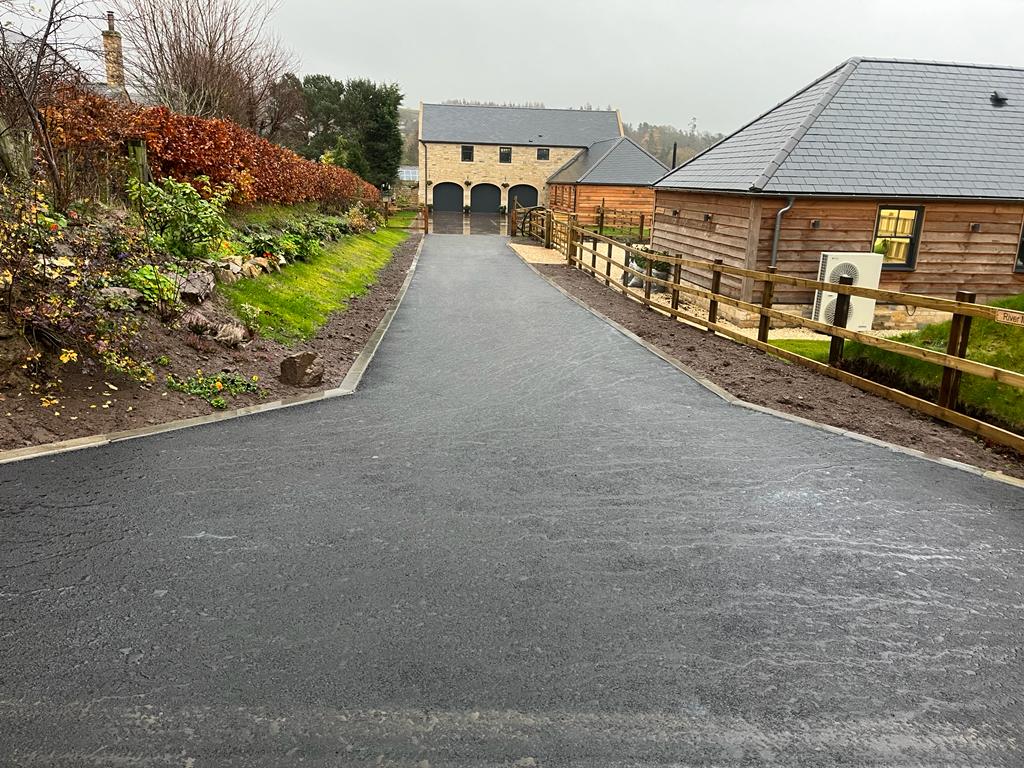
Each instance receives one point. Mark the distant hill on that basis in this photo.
(656, 139)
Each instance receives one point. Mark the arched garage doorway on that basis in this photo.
(484, 198)
(524, 194)
(448, 197)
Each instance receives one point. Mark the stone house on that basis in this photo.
(487, 157)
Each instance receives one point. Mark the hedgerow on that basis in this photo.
(187, 148)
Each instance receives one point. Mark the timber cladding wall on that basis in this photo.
(739, 231)
(587, 198)
(708, 226)
(950, 256)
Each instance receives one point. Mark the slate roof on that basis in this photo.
(882, 128)
(467, 124)
(613, 161)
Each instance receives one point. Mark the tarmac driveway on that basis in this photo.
(526, 540)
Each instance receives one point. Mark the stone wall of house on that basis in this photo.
(441, 163)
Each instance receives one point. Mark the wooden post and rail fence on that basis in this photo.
(564, 233)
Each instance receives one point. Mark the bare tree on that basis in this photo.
(213, 58)
(39, 45)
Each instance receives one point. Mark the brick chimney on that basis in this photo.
(112, 54)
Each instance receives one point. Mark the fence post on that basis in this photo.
(607, 266)
(835, 348)
(547, 227)
(426, 220)
(570, 244)
(677, 278)
(647, 283)
(641, 228)
(512, 222)
(600, 220)
(716, 287)
(764, 323)
(959, 335)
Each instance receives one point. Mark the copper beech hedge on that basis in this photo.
(184, 147)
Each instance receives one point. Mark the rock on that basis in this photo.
(195, 287)
(230, 334)
(196, 321)
(302, 370)
(120, 292)
(228, 276)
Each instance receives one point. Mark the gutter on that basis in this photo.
(778, 230)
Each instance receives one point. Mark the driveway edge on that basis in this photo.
(348, 386)
(733, 400)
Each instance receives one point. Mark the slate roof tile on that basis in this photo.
(878, 126)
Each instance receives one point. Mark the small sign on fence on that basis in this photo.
(1010, 317)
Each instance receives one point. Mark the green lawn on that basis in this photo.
(296, 301)
(990, 342)
(401, 219)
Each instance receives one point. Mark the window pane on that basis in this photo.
(467, 154)
(505, 155)
(543, 153)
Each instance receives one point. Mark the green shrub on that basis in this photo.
(155, 286)
(183, 221)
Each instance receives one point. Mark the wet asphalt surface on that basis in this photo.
(526, 540)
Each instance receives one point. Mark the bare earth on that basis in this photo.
(88, 405)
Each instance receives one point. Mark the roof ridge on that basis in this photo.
(615, 142)
(536, 109)
(642, 149)
(936, 63)
(751, 122)
(800, 131)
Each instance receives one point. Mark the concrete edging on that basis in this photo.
(733, 400)
(347, 387)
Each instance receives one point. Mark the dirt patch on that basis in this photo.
(765, 380)
(91, 403)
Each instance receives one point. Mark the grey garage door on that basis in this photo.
(524, 194)
(448, 197)
(485, 198)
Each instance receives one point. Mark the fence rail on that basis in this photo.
(604, 255)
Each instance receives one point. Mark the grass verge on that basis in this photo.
(295, 302)
(991, 343)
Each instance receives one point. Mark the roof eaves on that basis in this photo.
(566, 164)
(750, 123)
(805, 125)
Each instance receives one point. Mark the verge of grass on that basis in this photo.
(813, 348)
(296, 301)
(990, 342)
(402, 219)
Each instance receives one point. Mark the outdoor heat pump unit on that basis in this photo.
(865, 269)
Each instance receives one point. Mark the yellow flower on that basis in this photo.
(255, 378)
(68, 356)
(218, 386)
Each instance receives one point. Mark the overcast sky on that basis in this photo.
(659, 61)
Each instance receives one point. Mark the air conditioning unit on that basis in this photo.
(866, 270)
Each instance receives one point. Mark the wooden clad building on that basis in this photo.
(921, 162)
(616, 174)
